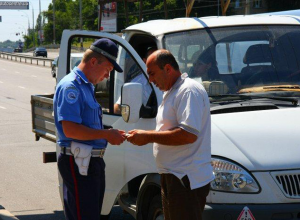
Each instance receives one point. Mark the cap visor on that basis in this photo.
(116, 66)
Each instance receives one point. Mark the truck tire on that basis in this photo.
(155, 209)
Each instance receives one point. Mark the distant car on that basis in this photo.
(74, 61)
(54, 66)
(18, 50)
(40, 52)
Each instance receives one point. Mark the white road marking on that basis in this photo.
(2, 107)
(4, 69)
(21, 87)
(33, 76)
(1, 82)
(17, 72)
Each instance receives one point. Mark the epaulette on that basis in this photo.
(78, 79)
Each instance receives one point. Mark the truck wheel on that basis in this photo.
(155, 209)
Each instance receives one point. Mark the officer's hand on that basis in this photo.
(138, 137)
(116, 137)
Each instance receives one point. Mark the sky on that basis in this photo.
(16, 21)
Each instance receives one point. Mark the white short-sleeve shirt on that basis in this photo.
(186, 105)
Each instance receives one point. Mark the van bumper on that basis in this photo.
(260, 212)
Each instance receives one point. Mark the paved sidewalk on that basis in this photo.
(6, 215)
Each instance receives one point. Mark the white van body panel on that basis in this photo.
(126, 161)
(258, 140)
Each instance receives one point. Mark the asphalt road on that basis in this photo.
(28, 188)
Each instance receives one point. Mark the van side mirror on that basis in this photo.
(132, 100)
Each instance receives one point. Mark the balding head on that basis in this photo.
(162, 69)
(163, 57)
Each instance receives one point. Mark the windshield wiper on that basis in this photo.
(231, 97)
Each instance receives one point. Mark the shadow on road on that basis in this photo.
(56, 215)
(116, 214)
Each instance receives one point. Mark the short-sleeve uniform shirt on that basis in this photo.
(186, 105)
(75, 101)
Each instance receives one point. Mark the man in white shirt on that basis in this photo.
(182, 139)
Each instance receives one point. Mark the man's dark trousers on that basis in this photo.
(83, 195)
(179, 201)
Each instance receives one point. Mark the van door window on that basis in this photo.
(108, 91)
(132, 73)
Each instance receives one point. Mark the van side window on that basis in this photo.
(108, 91)
(132, 73)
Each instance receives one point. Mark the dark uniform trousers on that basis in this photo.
(83, 195)
(179, 201)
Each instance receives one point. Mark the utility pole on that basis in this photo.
(80, 22)
(53, 22)
(99, 14)
(165, 9)
(40, 19)
(247, 7)
(33, 38)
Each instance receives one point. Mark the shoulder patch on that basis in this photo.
(71, 95)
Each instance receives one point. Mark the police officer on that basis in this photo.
(78, 119)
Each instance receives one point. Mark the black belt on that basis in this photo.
(95, 152)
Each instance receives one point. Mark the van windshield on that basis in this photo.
(235, 60)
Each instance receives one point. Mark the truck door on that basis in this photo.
(126, 161)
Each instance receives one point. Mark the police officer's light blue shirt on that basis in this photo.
(74, 101)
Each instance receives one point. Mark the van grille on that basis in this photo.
(289, 182)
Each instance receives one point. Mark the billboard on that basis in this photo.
(14, 5)
(109, 17)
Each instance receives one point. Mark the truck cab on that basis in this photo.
(250, 68)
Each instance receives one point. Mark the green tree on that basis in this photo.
(63, 20)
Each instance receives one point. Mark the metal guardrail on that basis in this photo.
(25, 58)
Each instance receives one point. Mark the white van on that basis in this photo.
(254, 92)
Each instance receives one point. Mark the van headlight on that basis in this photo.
(230, 177)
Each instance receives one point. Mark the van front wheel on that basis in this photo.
(156, 210)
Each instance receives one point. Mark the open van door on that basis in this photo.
(121, 161)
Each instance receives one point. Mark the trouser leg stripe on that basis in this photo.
(76, 187)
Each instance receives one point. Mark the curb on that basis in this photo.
(6, 215)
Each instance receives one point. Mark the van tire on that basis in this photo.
(155, 209)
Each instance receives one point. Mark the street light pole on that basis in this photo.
(28, 24)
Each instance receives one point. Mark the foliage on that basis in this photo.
(9, 44)
(63, 19)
